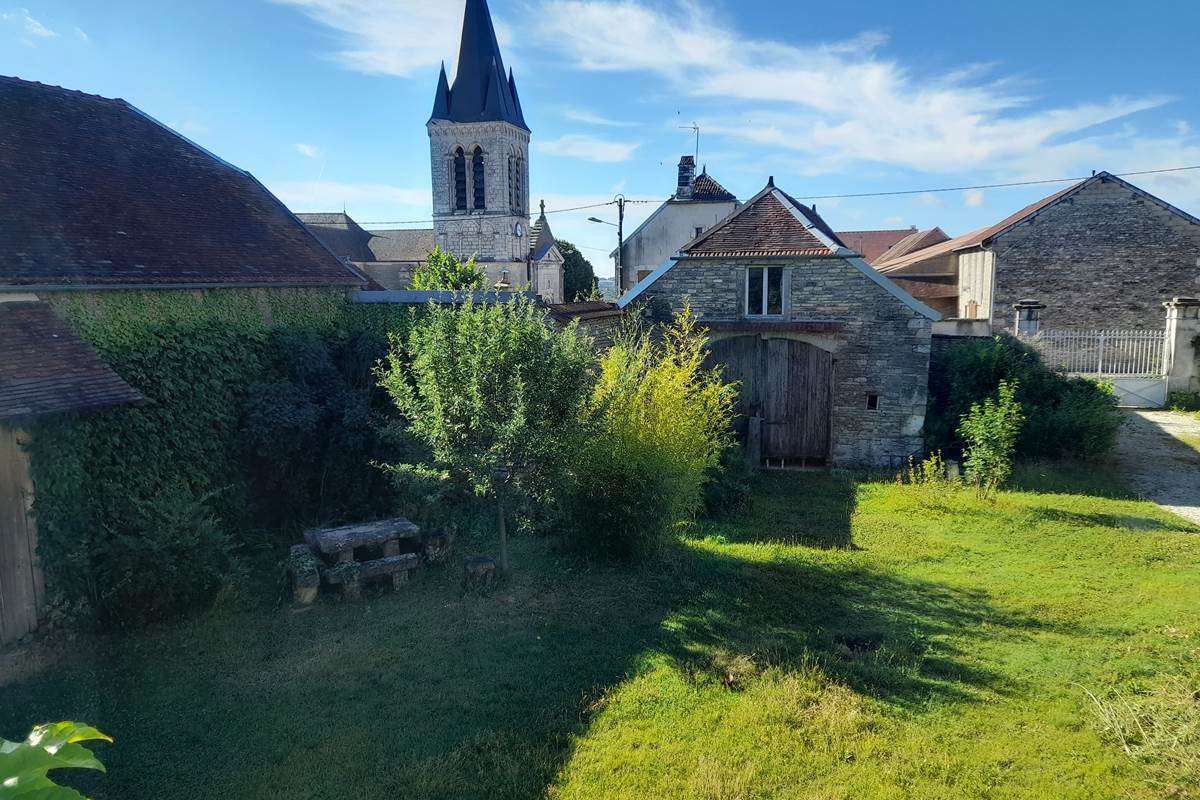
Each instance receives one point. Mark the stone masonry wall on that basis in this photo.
(1105, 257)
(487, 234)
(883, 348)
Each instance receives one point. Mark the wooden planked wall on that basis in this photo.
(22, 593)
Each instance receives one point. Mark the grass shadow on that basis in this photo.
(430, 693)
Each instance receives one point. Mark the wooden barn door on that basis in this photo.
(787, 383)
(21, 590)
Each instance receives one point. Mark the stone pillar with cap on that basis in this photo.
(1028, 317)
(1182, 350)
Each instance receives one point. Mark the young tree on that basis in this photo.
(496, 395)
(990, 431)
(444, 271)
(578, 274)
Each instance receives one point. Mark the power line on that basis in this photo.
(895, 193)
(987, 185)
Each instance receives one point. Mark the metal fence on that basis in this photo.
(1115, 353)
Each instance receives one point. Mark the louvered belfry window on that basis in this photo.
(460, 180)
(477, 178)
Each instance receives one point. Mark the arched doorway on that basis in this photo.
(789, 384)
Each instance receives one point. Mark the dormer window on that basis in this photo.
(477, 179)
(764, 292)
(459, 170)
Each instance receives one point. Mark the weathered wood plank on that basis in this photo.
(373, 569)
(365, 534)
(19, 578)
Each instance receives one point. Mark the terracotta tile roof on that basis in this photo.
(771, 224)
(873, 244)
(918, 240)
(94, 192)
(48, 369)
(974, 238)
(706, 190)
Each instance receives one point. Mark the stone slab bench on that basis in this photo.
(331, 541)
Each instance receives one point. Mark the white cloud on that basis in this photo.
(973, 198)
(838, 104)
(29, 25)
(82, 35)
(307, 150)
(587, 148)
(391, 37)
(929, 200)
(378, 200)
(1182, 127)
(591, 118)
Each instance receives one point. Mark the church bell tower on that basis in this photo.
(479, 156)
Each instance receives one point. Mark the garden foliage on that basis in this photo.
(24, 766)
(658, 422)
(443, 271)
(261, 414)
(1064, 417)
(495, 394)
(990, 430)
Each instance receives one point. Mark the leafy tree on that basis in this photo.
(495, 393)
(578, 274)
(23, 765)
(444, 271)
(991, 430)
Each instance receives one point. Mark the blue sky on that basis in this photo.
(325, 100)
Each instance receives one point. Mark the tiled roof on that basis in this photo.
(541, 238)
(340, 234)
(918, 240)
(706, 190)
(48, 369)
(94, 192)
(974, 238)
(873, 244)
(410, 244)
(591, 309)
(771, 224)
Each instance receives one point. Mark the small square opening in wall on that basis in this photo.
(872, 402)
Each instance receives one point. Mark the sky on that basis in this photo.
(325, 101)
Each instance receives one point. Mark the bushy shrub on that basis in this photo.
(444, 271)
(728, 485)
(990, 430)
(1183, 401)
(658, 422)
(1067, 417)
(495, 393)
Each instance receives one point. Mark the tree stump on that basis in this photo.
(479, 574)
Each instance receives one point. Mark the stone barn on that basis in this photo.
(832, 357)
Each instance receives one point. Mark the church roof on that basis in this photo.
(541, 238)
(482, 91)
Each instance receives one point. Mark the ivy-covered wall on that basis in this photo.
(262, 416)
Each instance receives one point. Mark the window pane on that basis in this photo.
(775, 290)
(754, 288)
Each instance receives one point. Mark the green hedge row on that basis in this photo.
(261, 416)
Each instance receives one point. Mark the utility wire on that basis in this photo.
(854, 195)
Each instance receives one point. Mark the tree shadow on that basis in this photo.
(431, 693)
(1133, 522)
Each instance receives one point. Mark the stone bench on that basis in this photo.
(338, 545)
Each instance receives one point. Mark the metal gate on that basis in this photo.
(789, 385)
(1133, 361)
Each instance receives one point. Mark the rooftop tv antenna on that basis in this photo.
(695, 129)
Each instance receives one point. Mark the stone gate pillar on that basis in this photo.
(1182, 351)
(1028, 317)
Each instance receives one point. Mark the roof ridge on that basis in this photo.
(63, 89)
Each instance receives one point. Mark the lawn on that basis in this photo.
(841, 639)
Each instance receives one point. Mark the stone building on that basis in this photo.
(832, 357)
(1100, 254)
(699, 203)
(479, 164)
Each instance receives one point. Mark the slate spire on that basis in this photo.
(441, 102)
(481, 90)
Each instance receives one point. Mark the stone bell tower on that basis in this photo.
(479, 156)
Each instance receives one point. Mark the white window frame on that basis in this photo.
(783, 293)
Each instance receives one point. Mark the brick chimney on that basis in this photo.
(687, 177)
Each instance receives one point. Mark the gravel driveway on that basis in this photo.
(1157, 464)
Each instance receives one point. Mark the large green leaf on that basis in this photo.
(24, 765)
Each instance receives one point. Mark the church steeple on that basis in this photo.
(481, 92)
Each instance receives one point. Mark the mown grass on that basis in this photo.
(840, 639)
